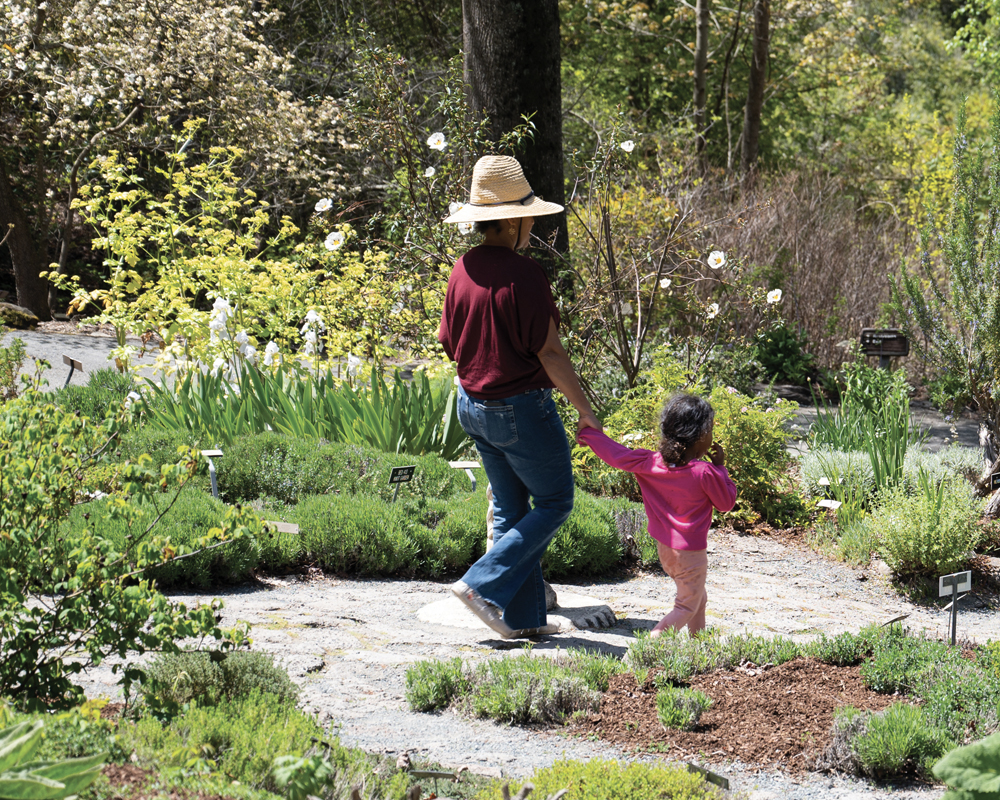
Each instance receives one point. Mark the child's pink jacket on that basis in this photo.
(678, 500)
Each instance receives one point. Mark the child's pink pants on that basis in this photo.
(688, 568)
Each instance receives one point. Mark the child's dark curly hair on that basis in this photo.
(684, 420)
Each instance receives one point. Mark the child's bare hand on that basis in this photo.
(717, 454)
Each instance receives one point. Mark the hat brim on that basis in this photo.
(536, 207)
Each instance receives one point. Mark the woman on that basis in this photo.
(499, 324)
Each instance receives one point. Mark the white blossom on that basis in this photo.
(313, 318)
(271, 352)
(249, 353)
(628, 145)
(353, 365)
(665, 283)
(324, 204)
(132, 397)
(713, 311)
(436, 141)
(774, 296)
(454, 207)
(218, 364)
(716, 259)
(465, 228)
(334, 241)
(430, 172)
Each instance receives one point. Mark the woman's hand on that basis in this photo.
(588, 421)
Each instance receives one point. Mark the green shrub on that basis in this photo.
(287, 468)
(161, 446)
(68, 600)
(754, 439)
(633, 531)
(893, 741)
(843, 650)
(239, 737)
(928, 534)
(104, 393)
(960, 698)
(610, 780)
(516, 690)
(897, 661)
(184, 522)
(854, 468)
(452, 534)
(679, 656)
(681, 708)
(782, 354)
(357, 535)
(432, 685)
(586, 544)
(175, 679)
(525, 690)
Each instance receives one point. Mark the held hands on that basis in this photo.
(717, 454)
(588, 421)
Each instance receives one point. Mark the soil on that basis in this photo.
(773, 717)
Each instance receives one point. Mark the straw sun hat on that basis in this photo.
(500, 191)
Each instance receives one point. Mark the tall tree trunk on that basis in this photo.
(28, 261)
(700, 78)
(512, 63)
(755, 92)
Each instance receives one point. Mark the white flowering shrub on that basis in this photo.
(196, 266)
(81, 77)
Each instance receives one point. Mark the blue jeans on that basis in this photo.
(525, 453)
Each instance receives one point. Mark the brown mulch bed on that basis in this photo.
(780, 716)
(126, 776)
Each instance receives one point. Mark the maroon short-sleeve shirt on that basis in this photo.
(495, 320)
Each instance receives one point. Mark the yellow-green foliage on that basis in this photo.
(206, 237)
(634, 423)
(754, 437)
(609, 780)
(240, 738)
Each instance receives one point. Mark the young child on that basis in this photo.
(679, 491)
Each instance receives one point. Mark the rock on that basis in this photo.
(551, 600)
(17, 317)
(879, 567)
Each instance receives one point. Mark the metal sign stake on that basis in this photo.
(73, 365)
(209, 455)
(400, 475)
(956, 582)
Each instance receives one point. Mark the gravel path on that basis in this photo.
(348, 643)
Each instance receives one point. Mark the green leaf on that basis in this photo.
(974, 768)
(24, 786)
(20, 748)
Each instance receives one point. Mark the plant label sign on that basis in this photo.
(954, 583)
(994, 481)
(884, 342)
(401, 475)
